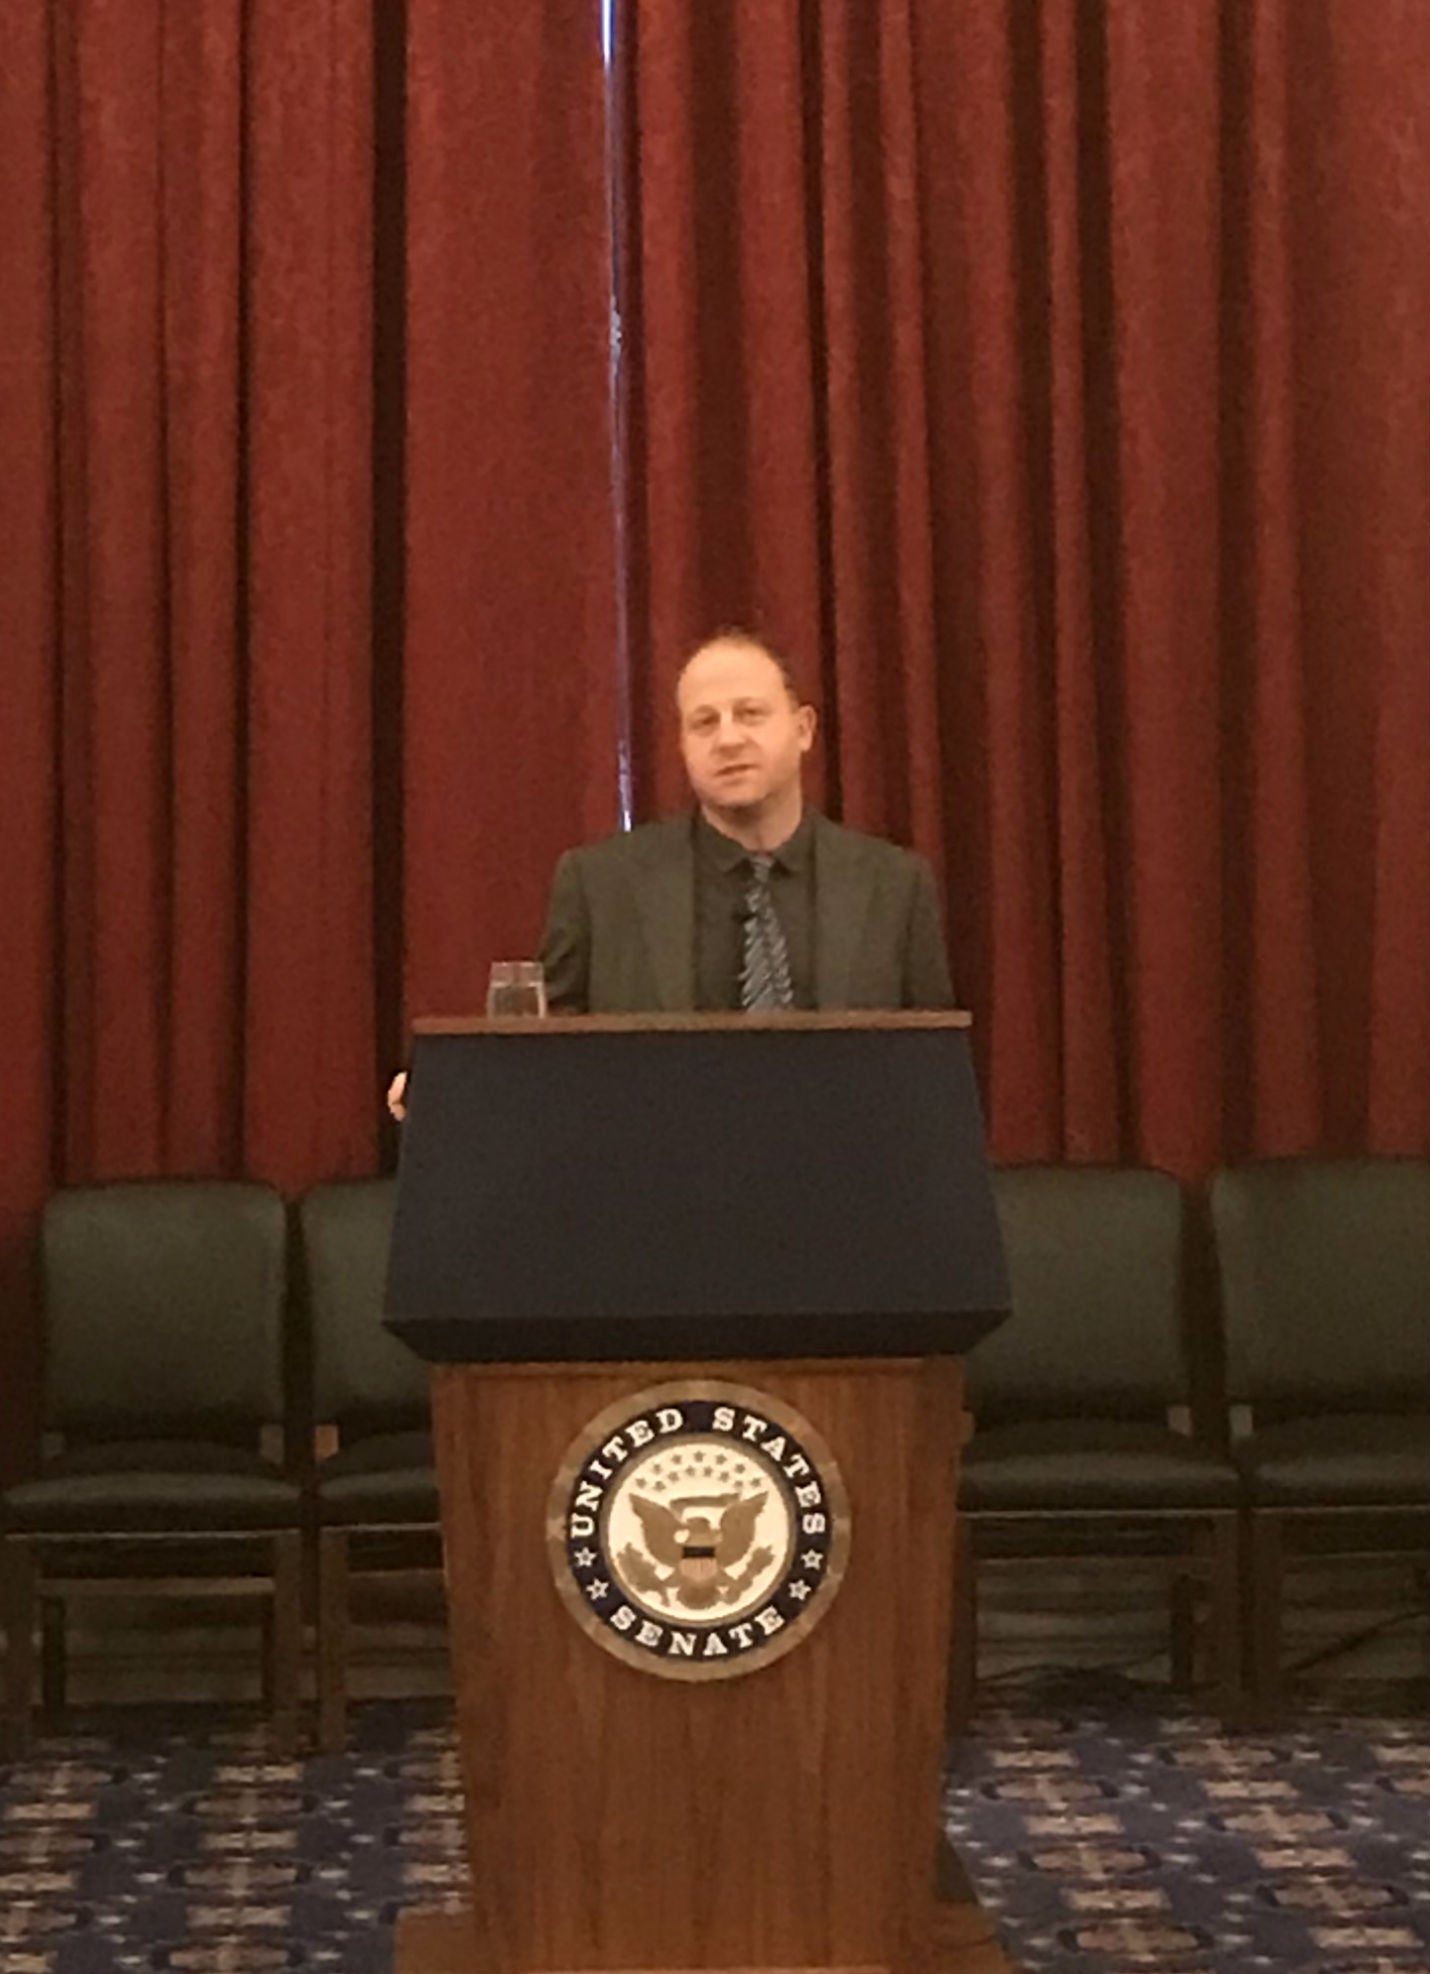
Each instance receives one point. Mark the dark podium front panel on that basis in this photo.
(694, 1189)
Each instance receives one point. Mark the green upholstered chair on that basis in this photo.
(163, 1332)
(375, 1495)
(1325, 1285)
(1072, 1451)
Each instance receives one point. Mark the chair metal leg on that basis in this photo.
(332, 1639)
(54, 1667)
(18, 1573)
(287, 1639)
(1267, 1569)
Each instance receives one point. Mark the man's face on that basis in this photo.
(742, 735)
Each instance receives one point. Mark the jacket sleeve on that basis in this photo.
(927, 981)
(566, 942)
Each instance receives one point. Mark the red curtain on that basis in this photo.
(1059, 375)
(777, 402)
(511, 731)
(185, 976)
(248, 810)
(1055, 378)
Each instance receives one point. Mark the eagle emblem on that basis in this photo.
(697, 1529)
(695, 1546)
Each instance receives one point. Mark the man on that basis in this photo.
(756, 901)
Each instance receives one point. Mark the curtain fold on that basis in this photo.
(776, 411)
(310, 1076)
(28, 690)
(510, 691)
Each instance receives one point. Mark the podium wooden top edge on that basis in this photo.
(654, 1024)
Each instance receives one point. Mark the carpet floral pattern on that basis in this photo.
(1104, 1837)
(1111, 1838)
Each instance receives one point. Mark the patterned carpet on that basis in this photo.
(1105, 1837)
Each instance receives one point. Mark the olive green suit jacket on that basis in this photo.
(620, 930)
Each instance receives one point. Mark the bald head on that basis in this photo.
(737, 640)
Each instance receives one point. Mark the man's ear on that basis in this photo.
(809, 726)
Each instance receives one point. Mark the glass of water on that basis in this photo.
(516, 987)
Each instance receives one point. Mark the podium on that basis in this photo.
(696, 1291)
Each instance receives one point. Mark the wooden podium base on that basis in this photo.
(618, 1822)
(442, 1943)
(964, 1941)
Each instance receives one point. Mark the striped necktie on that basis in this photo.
(764, 972)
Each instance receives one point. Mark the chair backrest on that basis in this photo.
(362, 1376)
(1324, 1267)
(1095, 1259)
(163, 1303)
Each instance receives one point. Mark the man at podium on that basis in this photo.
(755, 900)
(721, 1448)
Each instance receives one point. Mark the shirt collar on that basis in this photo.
(725, 854)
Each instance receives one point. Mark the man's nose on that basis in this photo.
(729, 733)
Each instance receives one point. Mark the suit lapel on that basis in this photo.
(666, 902)
(843, 890)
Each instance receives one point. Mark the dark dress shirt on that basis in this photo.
(722, 874)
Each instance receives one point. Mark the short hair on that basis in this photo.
(754, 641)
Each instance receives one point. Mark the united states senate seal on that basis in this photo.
(698, 1530)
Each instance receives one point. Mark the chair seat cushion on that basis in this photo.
(385, 1477)
(1067, 1465)
(153, 1487)
(1351, 1459)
